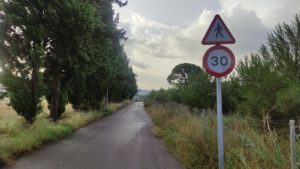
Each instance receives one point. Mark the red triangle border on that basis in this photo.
(204, 42)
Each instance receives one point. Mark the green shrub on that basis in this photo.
(193, 139)
(22, 100)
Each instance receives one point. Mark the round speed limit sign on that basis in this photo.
(218, 61)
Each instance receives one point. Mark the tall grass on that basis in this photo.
(17, 137)
(193, 139)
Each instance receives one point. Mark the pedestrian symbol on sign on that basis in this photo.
(219, 30)
(218, 33)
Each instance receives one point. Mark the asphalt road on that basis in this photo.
(121, 141)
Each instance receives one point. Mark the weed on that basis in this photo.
(193, 139)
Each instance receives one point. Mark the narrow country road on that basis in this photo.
(121, 141)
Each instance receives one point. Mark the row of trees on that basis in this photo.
(266, 83)
(68, 51)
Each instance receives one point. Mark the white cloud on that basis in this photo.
(271, 12)
(179, 12)
(155, 47)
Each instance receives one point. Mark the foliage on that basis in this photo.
(193, 139)
(181, 73)
(191, 86)
(266, 78)
(109, 71)
(20, 97)
(199, 92)
(21, 48)
(288, 101)
(3, 95)
(69, 51)
(164, 96)
(231, 94)
(259, 84)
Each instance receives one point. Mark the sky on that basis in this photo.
(164, 33)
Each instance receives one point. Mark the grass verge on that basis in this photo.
(17, 137)
(193, 139)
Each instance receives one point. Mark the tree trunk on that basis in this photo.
(55, 98)
(106, 100)
(34, 90)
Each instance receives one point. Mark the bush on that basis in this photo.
(193, 139)
(21, 98)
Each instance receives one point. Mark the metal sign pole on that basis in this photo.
(220, 123)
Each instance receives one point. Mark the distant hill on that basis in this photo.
(143, 92)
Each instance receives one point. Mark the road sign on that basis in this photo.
(218, 61)
(218, 33)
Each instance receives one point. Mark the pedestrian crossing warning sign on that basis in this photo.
(218, 33)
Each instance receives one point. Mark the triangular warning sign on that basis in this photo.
(218, 33)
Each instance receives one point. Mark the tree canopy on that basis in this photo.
(68, 51)
(182, 72)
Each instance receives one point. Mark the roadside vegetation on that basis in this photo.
(62, 63)
(63, 51)
(17, 136)
(192, 138)
(259, 99)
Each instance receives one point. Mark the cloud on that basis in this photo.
(150, 38)
(178, 12)
(156, 47)
(139, 65)
(271, 12)
(249, 31)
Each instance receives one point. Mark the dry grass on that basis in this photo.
(193, 139)
(115, 106)
(5, 109)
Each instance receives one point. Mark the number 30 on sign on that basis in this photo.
(218, 61)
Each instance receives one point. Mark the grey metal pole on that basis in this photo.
(220, 123)
(293, 144)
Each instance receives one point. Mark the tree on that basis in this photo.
(181, 73)
(109, 73)
(259, 85)
(71, 24)
(22, 41)
(231, 93)
(199, 91)
(265, 77)
(283, 48)
(73, 48)
(123, 84)
(193, 85)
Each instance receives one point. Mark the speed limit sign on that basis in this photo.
(218, 61)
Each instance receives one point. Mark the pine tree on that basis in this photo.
(71, 25)
(22, 41)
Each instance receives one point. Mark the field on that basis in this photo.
(17, 137)
(5, 110)
(193, 139)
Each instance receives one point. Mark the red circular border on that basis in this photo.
(213, 73)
